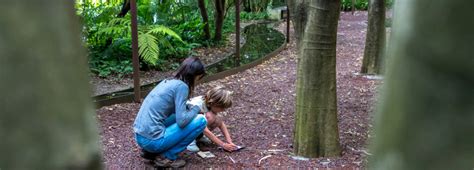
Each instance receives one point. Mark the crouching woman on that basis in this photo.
(161, 141)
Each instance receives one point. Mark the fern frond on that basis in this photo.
(148, 48)
(166, 43)
(116, 27)
(160, 29)
(111, 31)
(120, 21)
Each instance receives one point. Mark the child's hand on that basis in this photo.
(229, 147)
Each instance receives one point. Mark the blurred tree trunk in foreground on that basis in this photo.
(316, 130)
(375, 39)
(426, 120)
(47, 119)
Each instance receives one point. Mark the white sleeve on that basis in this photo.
(199, 101)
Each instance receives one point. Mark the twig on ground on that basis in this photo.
(231, 159)
(265, 157)
(363, 151)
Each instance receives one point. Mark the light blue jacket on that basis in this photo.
(167, 98)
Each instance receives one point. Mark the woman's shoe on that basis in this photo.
(166, 163)
(148, 155)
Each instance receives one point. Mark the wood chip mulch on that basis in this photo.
(262, 117)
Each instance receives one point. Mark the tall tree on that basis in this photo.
(219, 18)
(47, 119)
(426, 120)
(205, 19)
(316, 130)
(375, 39)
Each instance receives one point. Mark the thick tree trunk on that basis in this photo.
(426, 120)
(316, 130)
(220, 13)
(298, 9)
(375, 39)
(205, 19)
(47, 119)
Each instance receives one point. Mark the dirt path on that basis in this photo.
(262, 116)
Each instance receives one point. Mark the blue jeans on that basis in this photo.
(175, 139)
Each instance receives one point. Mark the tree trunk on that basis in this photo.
(220, 12)
(125, 9)
(316, 130)
(205, 19)
(47, 118)
(375, 39)
(353, 6)
(298, 9)
(426, 120)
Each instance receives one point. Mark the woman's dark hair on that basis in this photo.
(189, 69)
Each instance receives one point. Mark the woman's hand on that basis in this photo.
(229, 147)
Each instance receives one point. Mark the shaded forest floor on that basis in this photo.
(262, 117)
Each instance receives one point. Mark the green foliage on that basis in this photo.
(148, 42)
(346, 5)
(168, 31)
(256, 5)
(115, 28)
(192, 29)
(246, 16)
(162, 30)
(108, 38)
(278, 3)
(115, 59)
(148, 48)
(108, 67)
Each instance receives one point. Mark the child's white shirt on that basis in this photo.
(199, 101)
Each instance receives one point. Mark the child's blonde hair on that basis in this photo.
(218, 97)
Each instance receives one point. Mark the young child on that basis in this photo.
(215, 101)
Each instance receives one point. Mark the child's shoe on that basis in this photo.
(193, 147)
(205, 140)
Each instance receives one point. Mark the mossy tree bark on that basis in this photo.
(298, 10)
(47, 119)
(316, 130)
(375, 39)
(426, 120)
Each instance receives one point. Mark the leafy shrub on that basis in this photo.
(255, 5)
(278, 3)
(168, 31)
(108, 39)
(245, 16)
(113, 60)
(346, 5)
